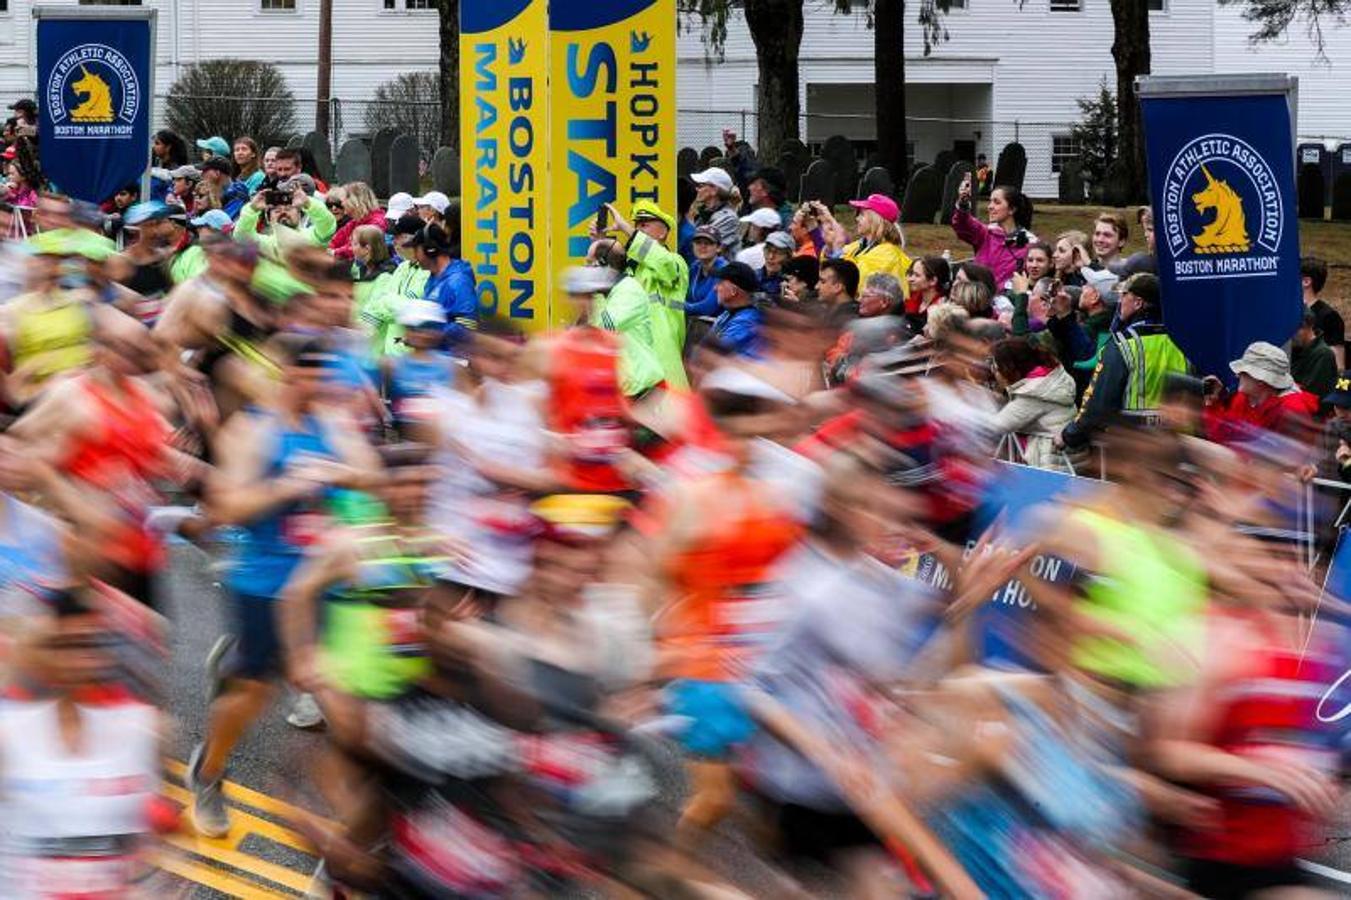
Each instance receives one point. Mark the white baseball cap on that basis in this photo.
(421, 313)
(435, 199)
(589, 279)
(400, 204)
(764, 218)
(714, 176)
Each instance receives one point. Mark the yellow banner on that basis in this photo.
(612, 117)
(503, 151)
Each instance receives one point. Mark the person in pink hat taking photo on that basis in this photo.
(878, 245)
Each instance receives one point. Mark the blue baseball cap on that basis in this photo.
(214, 218)
(148, 211)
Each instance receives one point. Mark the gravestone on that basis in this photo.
(722, 162)
(687, 162)
(793, 161)
(403, 165)
(446, 171)
(1011, 168)
(819, 183)
(1318, 155)
(708, 153)
(354, 162)
(294, 141)
(943, 161)
(844, 163)
(1311, 189)
(1341, 198)
(1071, 187)
(923, 196)
(1341, 165)
(876, 180)
(380, 160)
(317, 145)
(957, 172)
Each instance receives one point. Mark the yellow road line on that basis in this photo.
(244, 795)
(244, 824)
(216, 851)
(224, 882)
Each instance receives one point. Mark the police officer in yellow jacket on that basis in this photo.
(1133, 367)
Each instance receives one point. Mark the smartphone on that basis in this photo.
(603, 218)
(277, 198)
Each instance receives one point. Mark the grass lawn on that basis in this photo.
(1330, 240)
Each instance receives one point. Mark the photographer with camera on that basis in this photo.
(1002, 244)
(295, 216)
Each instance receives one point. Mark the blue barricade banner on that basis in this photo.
(94, 83)
(1222, 179)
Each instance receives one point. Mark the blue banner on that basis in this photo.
(1222, 178)
(94, 95)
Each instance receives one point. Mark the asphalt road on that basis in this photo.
(271, 772)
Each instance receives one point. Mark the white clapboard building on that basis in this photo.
(1005, 72)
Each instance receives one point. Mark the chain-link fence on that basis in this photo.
(1048, 144)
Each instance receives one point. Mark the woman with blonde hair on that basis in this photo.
(376, 300)
(361, 208)
(1069, 255)
(879, 245)
(974, 297)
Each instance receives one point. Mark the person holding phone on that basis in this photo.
(294, 213)
(1001, 244)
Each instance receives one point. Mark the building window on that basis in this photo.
(410, 4)
(277, 5)
(1066, 6)
(1064, 147)
(1158, 5)
(110, 2)
(956, 4)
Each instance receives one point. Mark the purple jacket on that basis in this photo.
(989, 242)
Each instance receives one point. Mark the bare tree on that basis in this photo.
(229, 98)
(449, 72)
(410, 104)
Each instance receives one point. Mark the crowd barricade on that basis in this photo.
(23, 224)
(1011, 450)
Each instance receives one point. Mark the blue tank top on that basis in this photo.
(271, 546)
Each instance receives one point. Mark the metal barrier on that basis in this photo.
(1011, 450)
(23, 224)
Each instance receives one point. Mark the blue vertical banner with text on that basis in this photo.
(1222, 180)
(94, 99)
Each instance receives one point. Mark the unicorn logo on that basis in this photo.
(1228, 232)
(97, 102)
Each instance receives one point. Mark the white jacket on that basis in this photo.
(1037, 410)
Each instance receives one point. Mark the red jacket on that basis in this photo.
(1235, 419)
(341, 245)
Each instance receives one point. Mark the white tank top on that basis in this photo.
(70, 820)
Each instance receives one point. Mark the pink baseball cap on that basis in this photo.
(881, 204)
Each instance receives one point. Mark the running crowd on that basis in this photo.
(742, 518)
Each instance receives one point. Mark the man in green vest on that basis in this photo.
(665, 276)
(608, 298)
(1132, 368)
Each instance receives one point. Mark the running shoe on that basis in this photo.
(304, 713)
(209, 815)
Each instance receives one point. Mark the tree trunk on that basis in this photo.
(776, 28)
(324, 77)
(450, 72)
(1130, 51)
(889, 91)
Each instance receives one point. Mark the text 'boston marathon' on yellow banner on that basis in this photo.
(611, 117)
(503, 147)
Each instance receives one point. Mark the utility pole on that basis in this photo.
(325, 75)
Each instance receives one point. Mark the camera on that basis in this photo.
(276, 198)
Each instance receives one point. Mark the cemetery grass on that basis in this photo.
(1329, 240)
